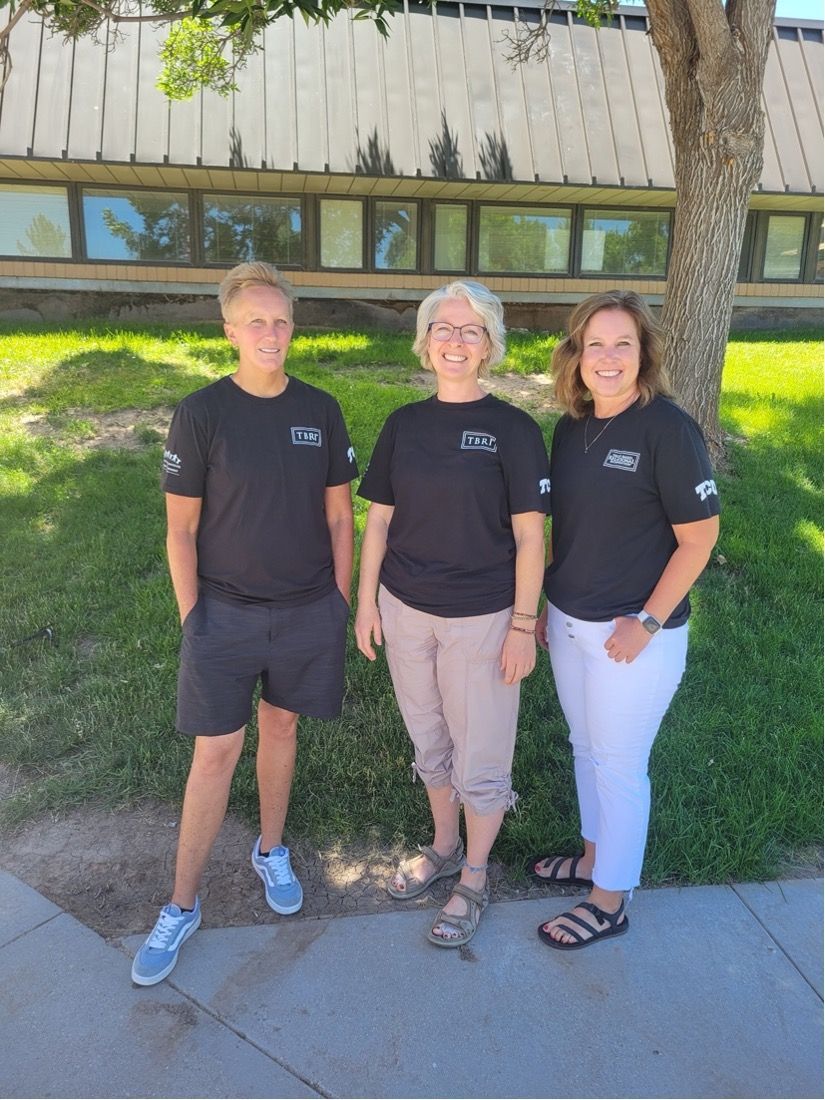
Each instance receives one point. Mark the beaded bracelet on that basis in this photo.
(521, 630)
(523, 615)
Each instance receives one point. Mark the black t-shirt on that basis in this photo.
(455, 473)
(613, 508)
(261, 465)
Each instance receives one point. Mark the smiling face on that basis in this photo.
(455, 362)
(610, 360)
(260, 326)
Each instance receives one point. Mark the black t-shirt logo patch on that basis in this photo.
(479, 441)
(622, 460)
(307, 437)
(172, 463)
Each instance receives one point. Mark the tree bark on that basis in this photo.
(713, 61)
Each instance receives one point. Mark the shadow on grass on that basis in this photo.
(108, 379)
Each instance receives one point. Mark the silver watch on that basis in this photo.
(651, 625)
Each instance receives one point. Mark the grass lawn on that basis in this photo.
(736, 769)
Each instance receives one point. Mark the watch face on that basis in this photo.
(650, 625)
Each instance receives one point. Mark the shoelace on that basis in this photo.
(279, 868)
(164, 930)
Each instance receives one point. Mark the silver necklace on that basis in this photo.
(593, 442)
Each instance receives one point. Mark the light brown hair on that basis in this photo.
(256, 273)
(571, 393)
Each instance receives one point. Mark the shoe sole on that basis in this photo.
(283, 910)
(142, 979)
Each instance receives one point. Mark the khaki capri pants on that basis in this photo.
(459, 713)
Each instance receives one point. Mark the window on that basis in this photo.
(625, 242)
(396, 236)
(342, 233)
(34, 221)
(783, 246)
(534, 240)
(238, 228)
(450, 237)
(136, 225)
(819, 244)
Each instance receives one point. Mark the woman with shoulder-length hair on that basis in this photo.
(635, 515)
(455, 535)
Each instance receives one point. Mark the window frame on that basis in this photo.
(373, 268)
(365, 234)
(187, 192)
(760, 246)
(67, 188)
(200, 202)
(468, 237)
(475, 266)
(582, 209)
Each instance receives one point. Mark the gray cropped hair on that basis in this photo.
(482, 301)
(256, 273)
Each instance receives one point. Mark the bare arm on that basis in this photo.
(182, 518)
(373, 549)
(694, 544)
(338, 509)
(518, 655)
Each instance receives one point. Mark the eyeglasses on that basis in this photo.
(468, 334)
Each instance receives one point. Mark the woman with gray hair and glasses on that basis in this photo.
(454, 545)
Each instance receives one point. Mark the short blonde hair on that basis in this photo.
(256, 273)
(571, 393)
(482, 301)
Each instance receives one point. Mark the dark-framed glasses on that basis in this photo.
(468, 334)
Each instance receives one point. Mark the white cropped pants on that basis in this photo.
(614, 712)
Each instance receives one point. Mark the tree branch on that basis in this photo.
(25, 5)
(713, 33)
(107, 13)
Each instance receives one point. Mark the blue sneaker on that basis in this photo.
(283, 890)
(157, 957)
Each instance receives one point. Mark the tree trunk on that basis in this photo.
(713, 61)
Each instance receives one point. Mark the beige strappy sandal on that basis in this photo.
(477, 901)
(444, 867)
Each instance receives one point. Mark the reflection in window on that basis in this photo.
(136, 225)
(239, 228)
(783, 246)
(529, 240)
(34, 221)
(625, 242)
(819, 248)
(396, 236)
(450, 232)
(342, 233)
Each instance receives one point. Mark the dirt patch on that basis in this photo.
(133, 429)
(112, 869)
(533, 392)
(125, 429)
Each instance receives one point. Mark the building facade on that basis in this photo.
(372, 169)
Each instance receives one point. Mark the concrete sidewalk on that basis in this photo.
(715, 992)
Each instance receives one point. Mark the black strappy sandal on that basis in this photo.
(553, 878)
(612, 927)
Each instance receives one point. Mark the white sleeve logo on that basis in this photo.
(706, 489)
(171, 463)
(544, 485)
(351, 454)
